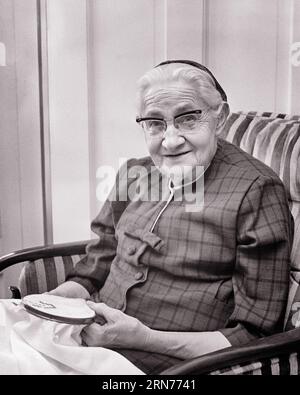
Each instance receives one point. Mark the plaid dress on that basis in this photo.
(223, 267)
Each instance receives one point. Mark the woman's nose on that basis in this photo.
(172, 140)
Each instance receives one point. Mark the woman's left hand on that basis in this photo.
(119, 331)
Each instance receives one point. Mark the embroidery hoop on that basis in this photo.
(59, 309)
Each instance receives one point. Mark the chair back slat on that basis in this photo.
(43, 275)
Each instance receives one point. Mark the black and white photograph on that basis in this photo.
(149, 190)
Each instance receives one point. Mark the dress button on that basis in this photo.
(131, 250)
(139, 275)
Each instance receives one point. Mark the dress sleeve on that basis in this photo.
(261, 275)
(92, 271)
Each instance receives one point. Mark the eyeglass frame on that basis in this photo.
(142, 119)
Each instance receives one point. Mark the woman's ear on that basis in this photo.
(222, 116)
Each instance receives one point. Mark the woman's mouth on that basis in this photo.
(177, 155)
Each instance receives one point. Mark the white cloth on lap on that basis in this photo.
(32, 345)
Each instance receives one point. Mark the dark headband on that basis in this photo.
(201, 67)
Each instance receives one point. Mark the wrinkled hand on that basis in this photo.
(119, 331)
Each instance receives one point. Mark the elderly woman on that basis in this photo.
(174, 283)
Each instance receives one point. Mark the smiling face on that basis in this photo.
(175, 148)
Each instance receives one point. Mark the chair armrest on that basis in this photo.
(47, 251)
(267, 347)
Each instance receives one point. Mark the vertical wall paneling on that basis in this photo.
(20, 154)
(2, 55)
(249, 44)
(11, 219)
(160, 21)
(184, 29)
(91, 108)
(282, 61)
(44, 119)
(295, 68)
(28, 121)
(243, 51)
(68, 118)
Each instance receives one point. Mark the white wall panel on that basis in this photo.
(242, 51)
(283, 64)
(27, 75)
(184, 29)
(295, 68)
(20, 155)
(68, 115)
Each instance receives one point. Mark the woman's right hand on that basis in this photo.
(70, 289)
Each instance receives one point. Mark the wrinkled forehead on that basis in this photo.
(171, 96)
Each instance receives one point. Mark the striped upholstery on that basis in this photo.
(270, 115)
(275, 141)
(45, 274)
(285, 365)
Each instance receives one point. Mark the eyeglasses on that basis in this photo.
(186, 122)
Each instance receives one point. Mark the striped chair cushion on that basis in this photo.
(275, 141)
(266, 114)
(45, 274)
(285, 365)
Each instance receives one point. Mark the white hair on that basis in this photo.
(202, 82)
